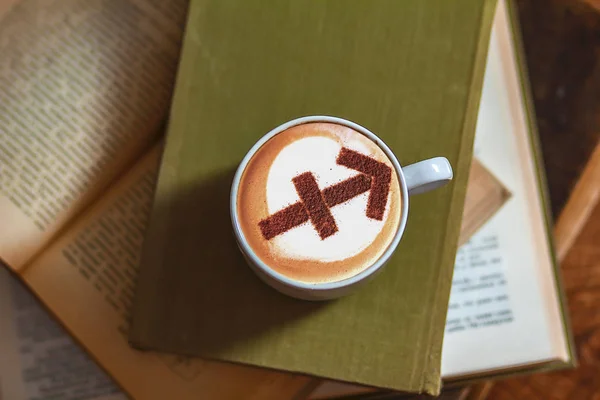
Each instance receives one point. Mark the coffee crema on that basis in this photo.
(319, 202)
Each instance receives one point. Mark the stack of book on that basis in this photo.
(112, 111)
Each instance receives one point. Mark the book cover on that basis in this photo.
(411, 72)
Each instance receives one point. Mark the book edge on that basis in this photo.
(513, 372)
(432, 381)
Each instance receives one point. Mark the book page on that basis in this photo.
(5, 6)
(87, 279)
(39, 359)
(503, 305)
(85, 86)
(479, 295)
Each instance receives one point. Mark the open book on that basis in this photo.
(39, 359)
(85, 88)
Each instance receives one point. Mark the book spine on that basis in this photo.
(431, 385)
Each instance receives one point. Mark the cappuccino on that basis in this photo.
(319, 202)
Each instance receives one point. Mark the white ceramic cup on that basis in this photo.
(416, 178)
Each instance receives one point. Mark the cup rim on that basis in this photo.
(319, 286)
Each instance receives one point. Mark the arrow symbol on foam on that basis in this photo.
(381, 176)
(314, 204)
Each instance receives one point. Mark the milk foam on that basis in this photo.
(317, 154)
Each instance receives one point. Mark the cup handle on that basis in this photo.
(427, 175)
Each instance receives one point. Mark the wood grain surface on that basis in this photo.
(561, 40)
(580, 207)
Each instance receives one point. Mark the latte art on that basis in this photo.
(319, 202)
(314, 204)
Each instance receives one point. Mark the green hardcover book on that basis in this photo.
(410, 71)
